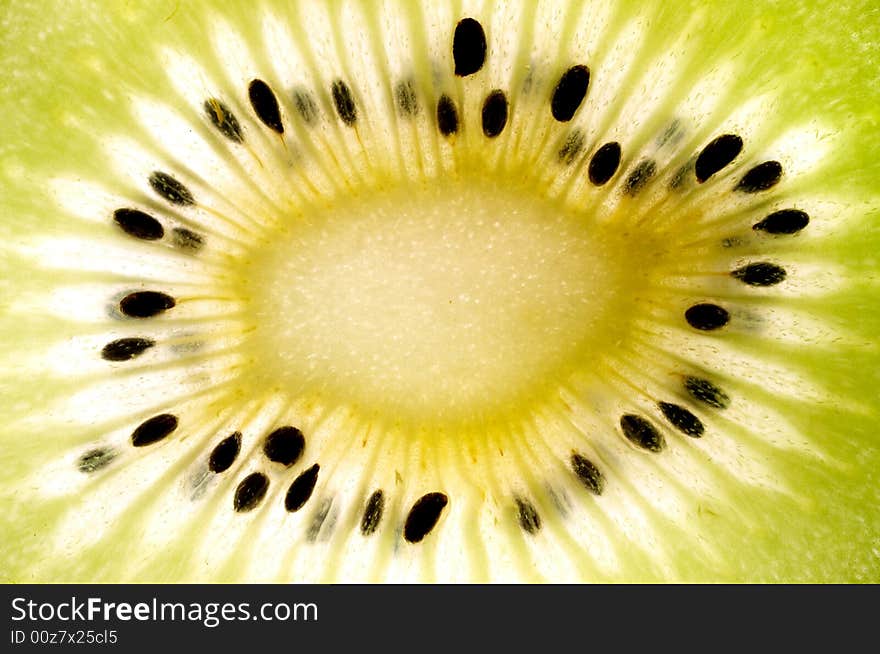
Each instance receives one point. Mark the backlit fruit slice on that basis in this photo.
(427, 291)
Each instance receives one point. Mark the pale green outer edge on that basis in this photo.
(833, 50)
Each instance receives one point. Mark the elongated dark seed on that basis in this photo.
(423, 516)
(641, 433)
(588, 474)
(344, 101)
(640, 176)
(224, 120)
(125, 349)
(154, 430)
(707, 317)
(145, 304)
(373, 513)
(572, 147)
(301, 489)
(250, 492)
(706, 392)
(468, 47)
(760, 274)
(569, 93)
(494, 113)
(305, 106)
(718, 154)
(682, 419)
(224, 453)
(187, 240)
(785, 221)
(406, 98)
(265, 105)
(94, 460)
(760, 178)
(169, 188)
(528, 516)
(285, 445)
(138, 224)
(447, 116)
(604, 163)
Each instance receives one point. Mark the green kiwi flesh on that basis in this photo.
(466, 291)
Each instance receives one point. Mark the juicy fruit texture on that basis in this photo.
(376, 291)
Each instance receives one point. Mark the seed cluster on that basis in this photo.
(284, 448)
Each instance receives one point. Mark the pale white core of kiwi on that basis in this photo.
(444, 300)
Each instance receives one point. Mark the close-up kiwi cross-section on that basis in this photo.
(426, 291)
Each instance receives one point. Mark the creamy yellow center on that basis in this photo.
(448, 301)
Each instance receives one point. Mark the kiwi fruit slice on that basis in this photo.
(439, 291)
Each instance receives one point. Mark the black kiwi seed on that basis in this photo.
(285, 445)
(494, 113)
(468, 47)
(154, 430)
(344, 102)
(604, 163)
(373, 513)
(265, 105)
(145, 304)
(447, 116)
(528, 516)
(760, 178)
(706, 392)
(187, 240)
(760, 274)
(223, 119)
(572, 147)
(94, 460)
(785, 221)
(718, 154)
(682, 419)
(305, 106)
(640, 176)
(641, 433)
(170, 189)
(707, 317)
(225, 452)
(588, 474)
(406, 98)
(301, 489)
(125, 349)
(138, 224)
(250, 491)
(423, 516)
(569, 93)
